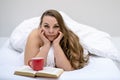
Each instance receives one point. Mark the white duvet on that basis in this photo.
(98, 68)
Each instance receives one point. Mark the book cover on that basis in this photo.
(46, 72)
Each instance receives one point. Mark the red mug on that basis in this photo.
(36, 63)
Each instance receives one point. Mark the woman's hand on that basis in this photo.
(57, 40)
(42, 36)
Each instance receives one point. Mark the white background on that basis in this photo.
(101, 14)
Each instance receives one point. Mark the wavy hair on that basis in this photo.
(69, 43)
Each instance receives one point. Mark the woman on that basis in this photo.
(52, 32)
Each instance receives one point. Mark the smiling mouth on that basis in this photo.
(51, 35)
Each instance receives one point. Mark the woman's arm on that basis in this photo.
(44, 52)
(32, 48)
(60, 57)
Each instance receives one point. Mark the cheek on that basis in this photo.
(46, 31)
(56, 32)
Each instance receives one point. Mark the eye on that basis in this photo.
(56, 26)
(46, 26)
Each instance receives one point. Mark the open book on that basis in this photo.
(46, 72)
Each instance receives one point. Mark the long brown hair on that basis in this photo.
(70, 42)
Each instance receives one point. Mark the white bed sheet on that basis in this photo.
(98, 68)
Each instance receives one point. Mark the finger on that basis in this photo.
(42, 32)
(61, 34)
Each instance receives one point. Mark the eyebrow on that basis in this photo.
(54, 24)
(46, 23)
(57, 24)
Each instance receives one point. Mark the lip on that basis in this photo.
(51, 35)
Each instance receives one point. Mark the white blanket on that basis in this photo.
(98, 68)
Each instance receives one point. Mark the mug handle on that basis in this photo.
(29, 63)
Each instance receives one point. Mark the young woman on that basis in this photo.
(52, 32)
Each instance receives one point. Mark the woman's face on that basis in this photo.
(50, 27)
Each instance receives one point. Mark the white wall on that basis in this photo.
(101, 14)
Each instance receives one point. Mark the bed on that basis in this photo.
(102, 66)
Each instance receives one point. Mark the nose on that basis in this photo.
(51, 30)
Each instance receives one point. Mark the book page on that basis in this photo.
(26, 69)
(51, 70)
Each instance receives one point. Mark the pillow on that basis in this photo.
(95, 41)
(19, 35)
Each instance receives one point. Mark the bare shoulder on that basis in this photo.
(34, 38)
(33, 33)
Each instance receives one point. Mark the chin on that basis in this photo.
(51, 39)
